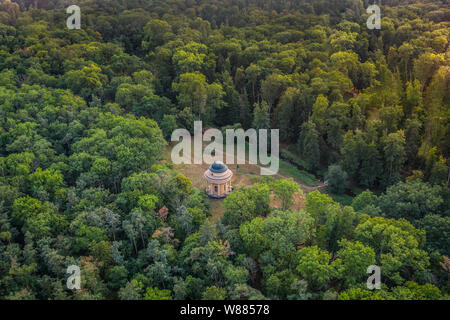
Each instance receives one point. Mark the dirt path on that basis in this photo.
(321, 186)
(305, 187)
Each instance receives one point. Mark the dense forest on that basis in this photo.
(86, 116)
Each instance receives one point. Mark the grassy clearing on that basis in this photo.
(300, 176)
(343, 199)
(245, 175)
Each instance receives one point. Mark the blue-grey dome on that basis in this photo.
(218, 167)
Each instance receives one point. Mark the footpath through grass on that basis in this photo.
(298, 175)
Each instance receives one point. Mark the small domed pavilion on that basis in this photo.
(218, 180)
